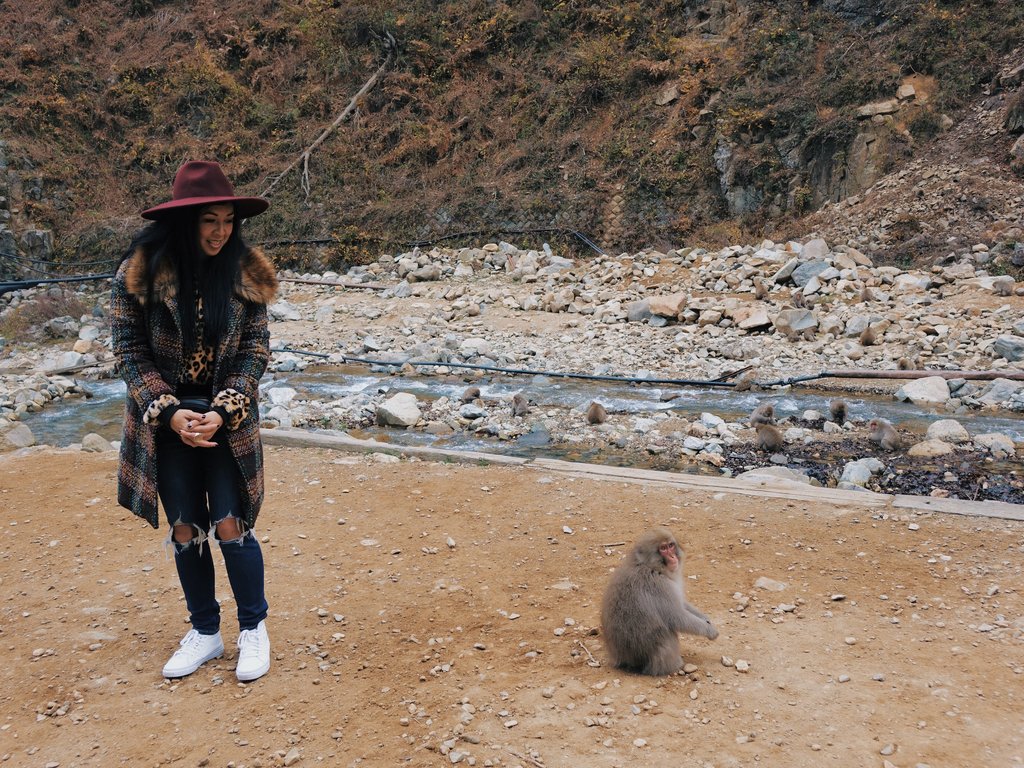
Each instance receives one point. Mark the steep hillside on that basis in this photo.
(638, 123)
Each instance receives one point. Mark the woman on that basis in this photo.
(189, 321)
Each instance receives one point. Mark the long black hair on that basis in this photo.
(174, 239)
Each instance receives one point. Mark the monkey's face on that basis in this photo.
(669, 552)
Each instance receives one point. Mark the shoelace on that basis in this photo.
(249, 641)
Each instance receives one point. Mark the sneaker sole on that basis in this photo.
(247, 677)
(187, 672)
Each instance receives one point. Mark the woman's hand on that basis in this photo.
(196, 429)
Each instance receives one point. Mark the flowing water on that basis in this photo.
(67, 422)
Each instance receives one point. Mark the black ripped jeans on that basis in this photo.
(200, 487)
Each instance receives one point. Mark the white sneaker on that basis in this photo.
(253, 653)
(195, 650)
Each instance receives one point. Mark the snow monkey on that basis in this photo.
(470, 394)
(763, 414)
(868, 337)
(645, 608)
(769, 438)
(838, 410)
(883, 433)
(520, 405)
(760, 288)
(596, 413)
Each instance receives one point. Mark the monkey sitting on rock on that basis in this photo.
(645, 608)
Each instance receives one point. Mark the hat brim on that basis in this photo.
(245, 207)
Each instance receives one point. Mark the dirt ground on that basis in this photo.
(429, 614)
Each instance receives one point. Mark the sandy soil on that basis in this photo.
(429, 614)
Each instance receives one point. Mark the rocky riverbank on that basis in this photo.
(772, 310)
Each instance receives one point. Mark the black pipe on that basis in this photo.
(523, 371)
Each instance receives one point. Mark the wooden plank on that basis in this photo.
(339, 441)
(994, 509)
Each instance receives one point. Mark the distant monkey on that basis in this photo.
(745, 381)
(797, 297)
(1003, 287)
(520, 405)
(838, 410)
(868, 336)
(905, 364)
(596, 413)
(865, 294)
(769, 438)
(882, 432)
(471, 394)
(760, 288)
(763, 414)
(645, 608)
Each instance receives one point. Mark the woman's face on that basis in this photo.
(215, 225)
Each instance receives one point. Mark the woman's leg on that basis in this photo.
(243, 558)
(180, 485)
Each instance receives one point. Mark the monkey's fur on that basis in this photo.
(596, 413)
(839, 412)
(645, 608)
(471, 394)
(905, 364)
(520, 405)
(882, 432)
(769, 438)
(763, 414)
(868, 337)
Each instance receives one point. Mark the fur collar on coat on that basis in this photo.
(257, 281)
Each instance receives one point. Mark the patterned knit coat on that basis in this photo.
(148, 345)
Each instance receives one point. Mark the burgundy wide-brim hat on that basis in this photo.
(199, 182)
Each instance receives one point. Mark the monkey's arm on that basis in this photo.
(690, 621)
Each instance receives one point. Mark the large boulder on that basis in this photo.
(949, 431)
(400, 410)
(794, 321)
(998, 392)
(1010, 347)
(668, 305)
(929, 390)
(14, 435)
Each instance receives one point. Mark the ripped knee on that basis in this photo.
(229, 529)
(182, 533)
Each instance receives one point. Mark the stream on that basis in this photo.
(67, 422)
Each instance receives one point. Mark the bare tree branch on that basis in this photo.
(303, 158)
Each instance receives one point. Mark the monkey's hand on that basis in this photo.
(711, 631)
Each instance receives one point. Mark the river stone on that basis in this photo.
(999, 391)
(281, 395)
(93, 443)
(282, 310)
(1010, 347)
(930, 448)
(472, 412)
(710, 420)
(324, 314)
(669, 305)
(751, 318)
(815, 249)
(15, 436)
(691, 443)
(909, 282)
(638, 311)
(400, 410)
(931, 389)
(425, 274)
(474, 346)
(794, 321)
(61, 327)
(786, 271)
(802, 274)
(948, 430)
(1018, 327)
(998, 444)
(281, 415)
(88, 333)
(770, 585)
(860, 471)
